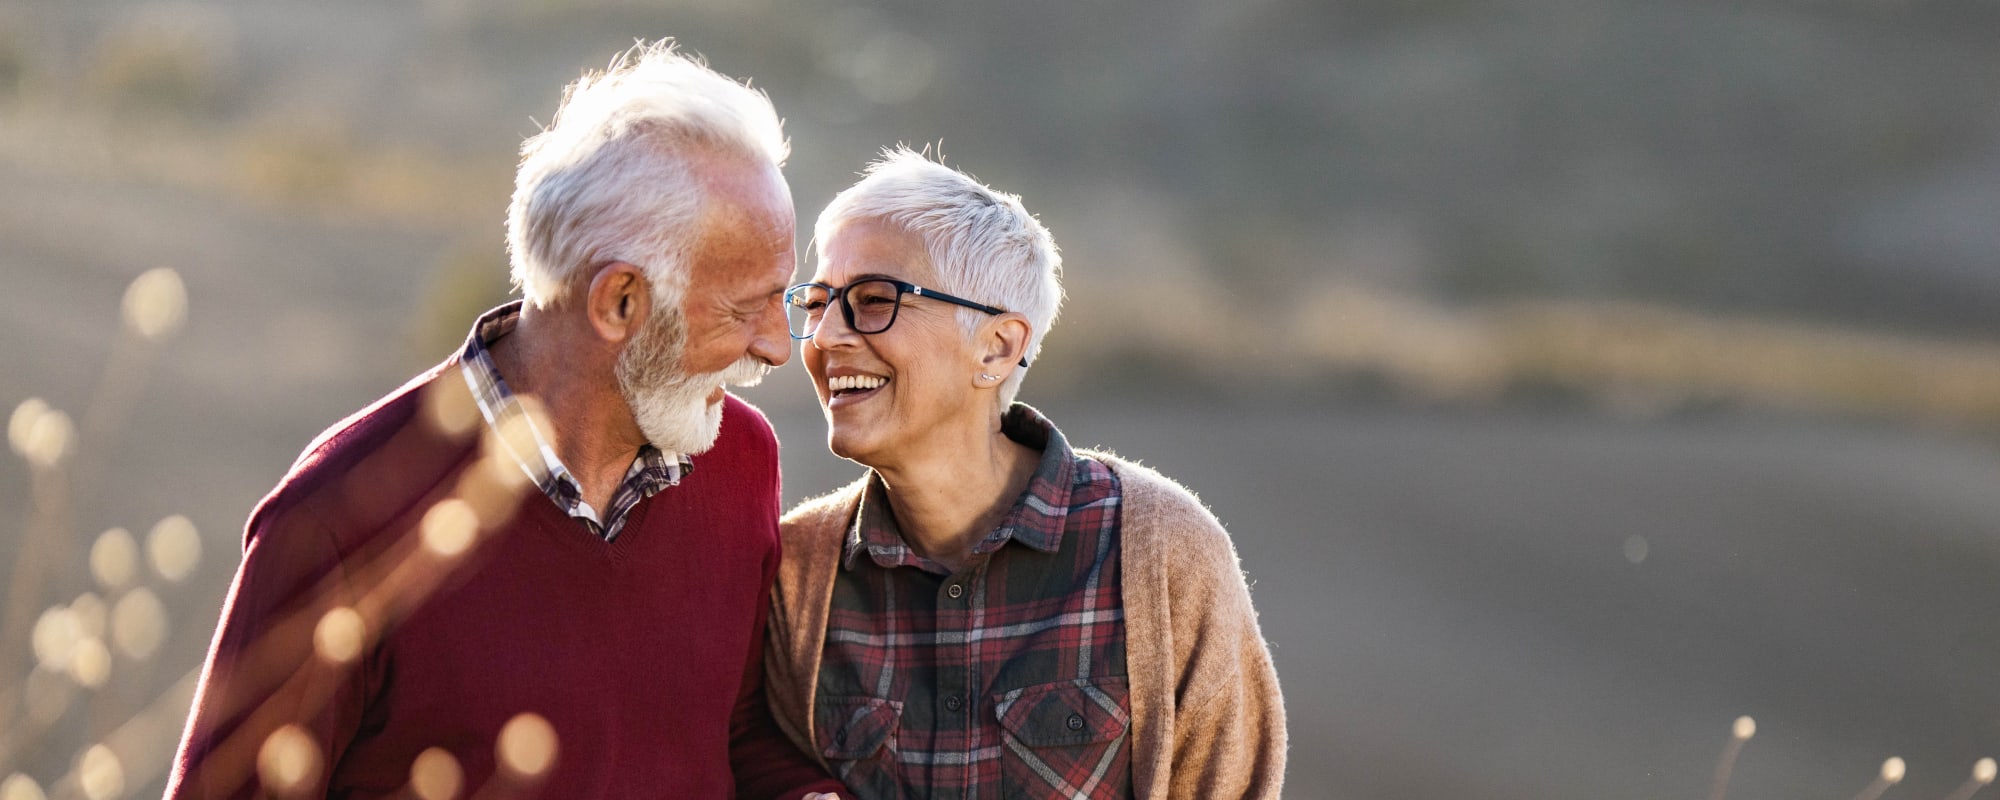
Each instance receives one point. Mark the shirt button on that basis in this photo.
(953, 703)
(1075, 722)
(954, 590)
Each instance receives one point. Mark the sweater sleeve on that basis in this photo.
(1229, 721)
(262, 675)
(765, 762)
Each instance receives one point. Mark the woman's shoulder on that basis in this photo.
(1156, 507)
(1148, 489)
(813, 514)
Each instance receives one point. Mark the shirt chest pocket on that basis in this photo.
(857, 737)
(1065, 739)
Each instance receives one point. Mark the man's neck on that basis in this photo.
(949, 500)
(589, 424)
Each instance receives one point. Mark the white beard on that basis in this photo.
(670, 406)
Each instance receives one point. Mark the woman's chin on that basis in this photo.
(850, 445)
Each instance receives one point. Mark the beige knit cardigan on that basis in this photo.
(1207, 718)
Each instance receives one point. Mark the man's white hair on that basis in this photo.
(612, 179)
(983, 244)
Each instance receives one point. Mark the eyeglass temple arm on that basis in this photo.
(937, 295)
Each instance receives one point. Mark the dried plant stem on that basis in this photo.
(41, 545)
(1723, 767)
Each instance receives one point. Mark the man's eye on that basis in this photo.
(876, 300)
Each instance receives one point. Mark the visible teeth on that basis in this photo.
(846, 382)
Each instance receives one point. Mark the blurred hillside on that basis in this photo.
(1213, 172)
(1834, 160)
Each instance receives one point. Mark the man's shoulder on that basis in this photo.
(366, 463)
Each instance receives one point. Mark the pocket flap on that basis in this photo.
(1064, 714)
(853, 728)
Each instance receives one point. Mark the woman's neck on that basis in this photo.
(953, 496)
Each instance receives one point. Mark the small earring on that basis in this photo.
(985, 377)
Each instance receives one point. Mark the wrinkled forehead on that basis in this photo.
(871, 247)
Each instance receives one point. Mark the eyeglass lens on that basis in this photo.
(869, 306)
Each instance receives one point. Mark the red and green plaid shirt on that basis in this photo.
(1004, 679)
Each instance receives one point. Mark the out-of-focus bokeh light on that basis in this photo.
(22, 422)
(40, 434)
(114, 558)
(1983, 771)
(90, 665)
(1893, 769)
(492, 487)
(289, 760)
(21, 787)
(452, 412)
(100, 774)
(889, 67)
(49, 695)
(1636, 548)
(339, 635)
(55, 636)
(174, 548)
(527, 745)
(138, 624)
(155, 304)
(449, 527)
(518, 423)
(90, 614)
(435, 775)
(1744, 728)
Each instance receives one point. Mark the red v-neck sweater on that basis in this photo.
(644, 655)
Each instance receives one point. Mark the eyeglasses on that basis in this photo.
(868, 305)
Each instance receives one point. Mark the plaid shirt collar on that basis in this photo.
(1036, 520)
(651, 472)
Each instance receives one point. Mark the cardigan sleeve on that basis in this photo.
(1229, 720)
(1210, 715)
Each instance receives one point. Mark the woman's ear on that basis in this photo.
(618, 301)
(1005, 341)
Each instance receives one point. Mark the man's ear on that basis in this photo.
(618, 301)
(1005, 343)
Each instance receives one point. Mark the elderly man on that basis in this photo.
(541, 568)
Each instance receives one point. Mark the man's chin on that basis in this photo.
(688, 430)
(711, 427)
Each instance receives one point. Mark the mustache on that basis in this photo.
(747, 371)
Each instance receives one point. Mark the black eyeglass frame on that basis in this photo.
(902, 288)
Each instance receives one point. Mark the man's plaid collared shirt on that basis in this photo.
(652, 471)
(1005, 679)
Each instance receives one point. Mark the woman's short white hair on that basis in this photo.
(612, 179)
(983, 244)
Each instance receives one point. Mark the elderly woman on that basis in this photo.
(988, 612)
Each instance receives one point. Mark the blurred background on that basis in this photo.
(1574, 376)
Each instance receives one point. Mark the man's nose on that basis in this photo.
(771, 341)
